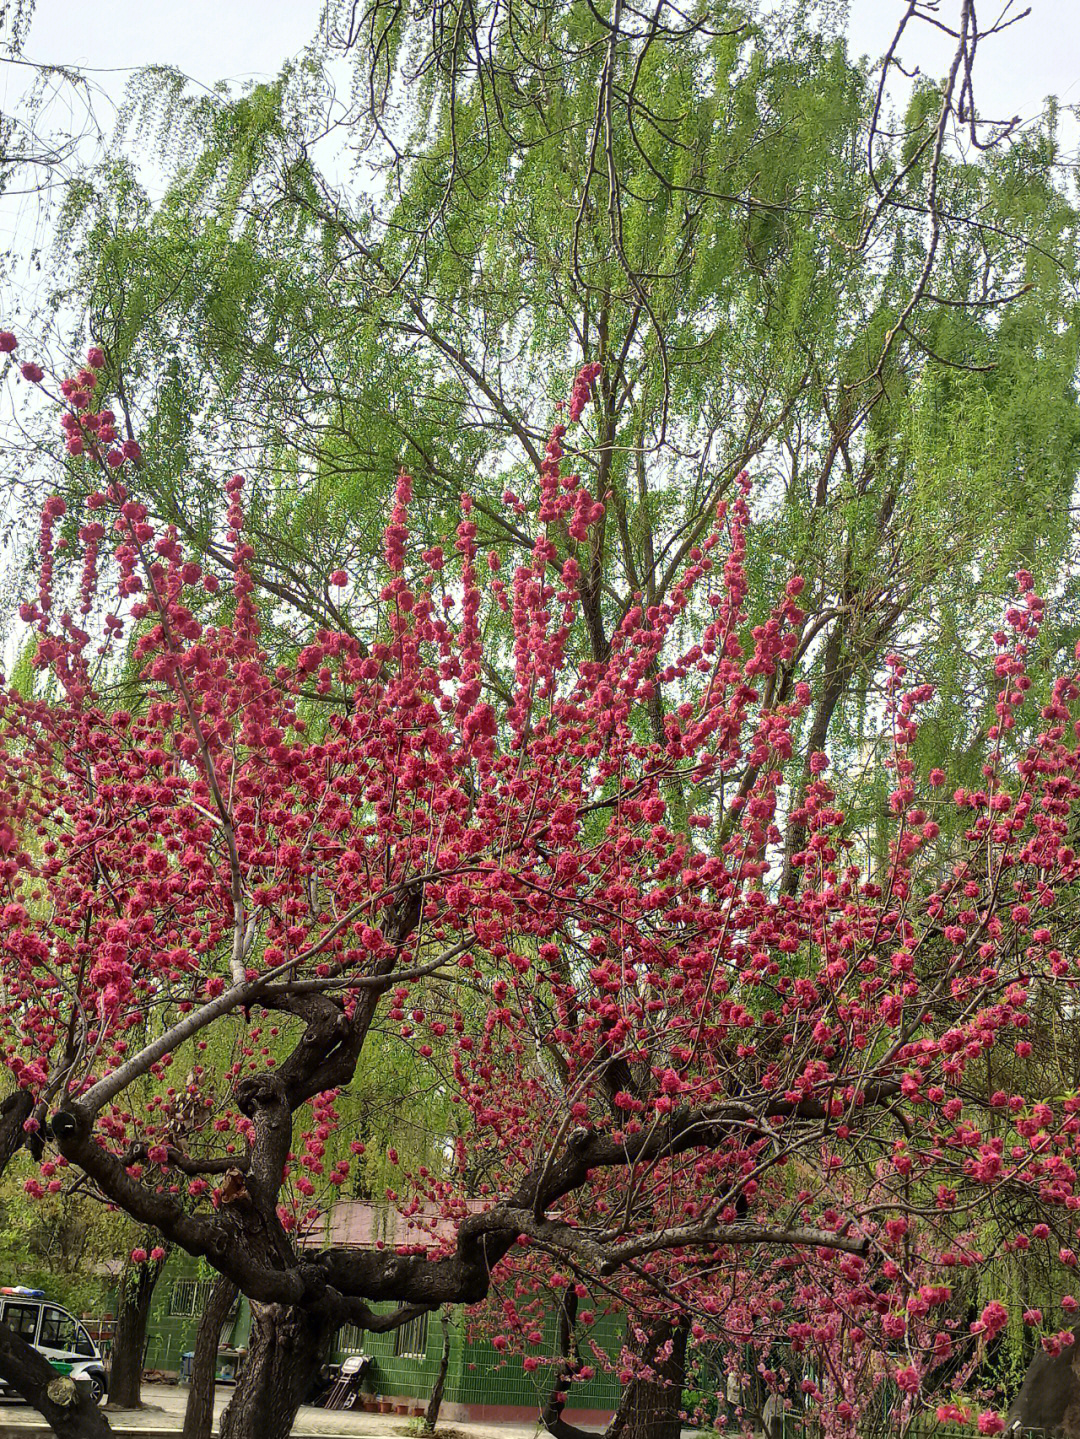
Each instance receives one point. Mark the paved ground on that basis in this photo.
(171, 1399)
(164, 1415)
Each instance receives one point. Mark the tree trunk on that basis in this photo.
(1049, 1398)
(650, 1407)
(286, 1346)
(551, 1416)
(129, 1343)
(431, 1418)
(199, 1414)
(65, 1406)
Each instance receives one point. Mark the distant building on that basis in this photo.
(481, 1384)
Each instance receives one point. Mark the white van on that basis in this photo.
(56, 1334)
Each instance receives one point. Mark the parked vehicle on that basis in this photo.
(345, 1392)
(56, 1334)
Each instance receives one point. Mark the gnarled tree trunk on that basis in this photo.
(1049, 1398)
(65, 1406)
(286, 1347)
(650, 1407)
(199, 1414)
(129, 1343)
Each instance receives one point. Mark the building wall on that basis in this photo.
(480, 1383)
(174, 1318)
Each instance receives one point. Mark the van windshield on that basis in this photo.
(60, 1331)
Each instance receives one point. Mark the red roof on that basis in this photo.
(358, 1224)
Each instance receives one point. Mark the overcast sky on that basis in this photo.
(246, 39)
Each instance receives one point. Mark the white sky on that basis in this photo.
(209, 39)
(248, 39)
(245, 40)
(1015, 71)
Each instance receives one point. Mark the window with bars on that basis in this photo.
(410, 1341)
(351, 1339)
(190, 1296)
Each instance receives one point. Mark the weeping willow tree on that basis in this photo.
(772, 274)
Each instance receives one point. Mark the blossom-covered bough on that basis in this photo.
(774, 1116)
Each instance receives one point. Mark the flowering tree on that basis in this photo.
(737, 1110)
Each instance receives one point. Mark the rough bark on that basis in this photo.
(129, 1343)
(15, 1110)
(431, 1418)
(287, 1344)
(199, 1414)
(650, 1407)
(1049, 1398)
(65, 1406)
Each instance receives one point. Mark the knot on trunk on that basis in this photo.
(234, 1188)
(261, 1091)
(314, 1281)
(64, 1124)
(63, 1391)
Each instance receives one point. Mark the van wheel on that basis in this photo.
(97, 1389)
